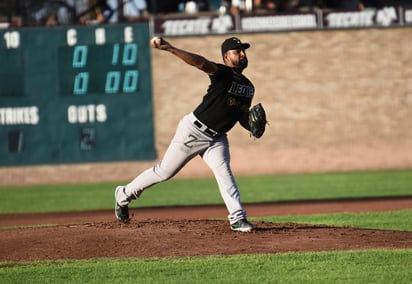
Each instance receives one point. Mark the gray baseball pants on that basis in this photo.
(189, 141)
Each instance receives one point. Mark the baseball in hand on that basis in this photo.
(155, 42)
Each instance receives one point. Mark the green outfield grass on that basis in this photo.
(181, 192)
(371, 266)
(366, 266)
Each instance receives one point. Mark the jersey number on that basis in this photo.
(191, 138)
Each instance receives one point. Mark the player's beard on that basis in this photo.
(240, 64)
(243, 62)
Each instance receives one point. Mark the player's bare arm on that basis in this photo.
(195, 60)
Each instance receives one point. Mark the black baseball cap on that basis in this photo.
(233, 43)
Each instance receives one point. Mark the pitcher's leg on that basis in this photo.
(145, 180)
(172, 162)
(217, 158)
(181, 150)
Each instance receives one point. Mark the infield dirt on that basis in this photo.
(190, 231)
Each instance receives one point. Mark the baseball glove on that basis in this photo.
(257, 120)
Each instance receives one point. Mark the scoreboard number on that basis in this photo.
(76, 94)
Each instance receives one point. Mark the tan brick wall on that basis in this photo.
(319, 88)
(336, 100)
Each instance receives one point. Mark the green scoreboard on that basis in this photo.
(76, 94)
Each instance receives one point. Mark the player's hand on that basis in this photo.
(159, 43)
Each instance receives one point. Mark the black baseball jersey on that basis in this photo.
(227, 99)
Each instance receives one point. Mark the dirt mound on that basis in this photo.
(160, 232)
(161, 238)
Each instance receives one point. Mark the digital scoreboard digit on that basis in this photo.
(96, 69)
(76, 94)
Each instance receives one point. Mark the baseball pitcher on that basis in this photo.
(203, 131)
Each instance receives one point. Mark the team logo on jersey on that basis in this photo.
(237, 89)
(232, 102)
